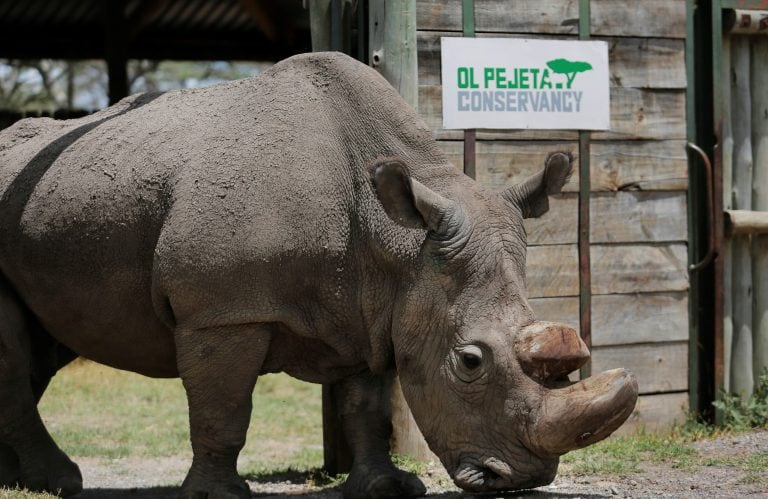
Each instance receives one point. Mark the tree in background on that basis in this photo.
(37, 85)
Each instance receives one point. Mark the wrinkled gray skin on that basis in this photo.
(255, 227)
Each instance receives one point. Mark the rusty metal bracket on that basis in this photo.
(710, 208)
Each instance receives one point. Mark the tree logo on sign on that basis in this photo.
(568, 68)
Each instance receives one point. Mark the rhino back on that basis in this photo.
(246, 201)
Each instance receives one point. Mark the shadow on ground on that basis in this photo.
(173, 493)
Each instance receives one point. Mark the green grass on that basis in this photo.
(625, 455)
(95, 411)
(98, 412)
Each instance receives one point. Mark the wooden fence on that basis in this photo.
(638, 176)
(745, 188)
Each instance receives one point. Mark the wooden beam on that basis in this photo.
(263, 18)
(145, 13)
(656, 412)
(760, 202)
(745, 222)
(115, 50)
(623, 319)
(742, 380)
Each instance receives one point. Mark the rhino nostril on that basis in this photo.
(491, 475)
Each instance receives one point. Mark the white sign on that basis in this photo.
(520, 83)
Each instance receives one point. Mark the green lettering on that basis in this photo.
(501, 78)
(535, 73)
(463, 77)
(545, 83)
(487, 76)
(524, 78)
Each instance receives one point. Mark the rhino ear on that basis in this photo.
(407, 201)
(531, 196)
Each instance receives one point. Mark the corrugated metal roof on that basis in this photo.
(154, 29)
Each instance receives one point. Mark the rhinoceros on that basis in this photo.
(302, 221)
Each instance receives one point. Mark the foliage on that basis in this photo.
(33, 85)
(743, 413)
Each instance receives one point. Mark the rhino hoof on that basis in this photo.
(229, 490)
(59, 475)
(10, 473)
(382, 483)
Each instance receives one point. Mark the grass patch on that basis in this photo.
(95, 411)
(24, 494)
(623, 455)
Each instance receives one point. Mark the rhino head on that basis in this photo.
(486, 382)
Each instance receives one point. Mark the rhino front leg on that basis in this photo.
(219, 367)
(366, 420)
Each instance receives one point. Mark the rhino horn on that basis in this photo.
(548, 351)
(583, 413)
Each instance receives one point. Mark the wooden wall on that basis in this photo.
(638, 178)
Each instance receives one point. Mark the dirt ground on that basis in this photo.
(718, 477)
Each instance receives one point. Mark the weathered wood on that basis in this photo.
(620, 217)
(633, 62)
(635, 114)
(623, 319)
(745, 222)
(760, 202)
(727, 250)
(741, 363)
(406, 436)
(321, 26)
(646, 62)
(656, 413)
(649, 18)
(393, 53)
(527, 16)
(642, 165)
(392, 35)
(553, 270)
(659, 367)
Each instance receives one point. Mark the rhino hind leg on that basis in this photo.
(219, 368)
(28, 455)
(366, 421)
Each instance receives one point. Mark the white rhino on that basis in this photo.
(302, 221)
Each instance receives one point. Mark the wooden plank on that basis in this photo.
(648, 18)
(623, 319)
(642, 165)
(527, 16)
(746, 222)
(760, 200)
(742, 380)
(656, 413)
(646, 62)
(659, 367)
(727, 187)
(645, 114)
(620, 217)
(636, 114)
(633, 62)
(553, 270)
(659, 165)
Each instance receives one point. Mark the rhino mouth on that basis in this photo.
(492, 474)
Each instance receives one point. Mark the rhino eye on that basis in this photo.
(470, 360)
(468, 363)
